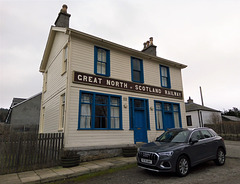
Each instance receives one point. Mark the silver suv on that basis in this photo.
(176, 150)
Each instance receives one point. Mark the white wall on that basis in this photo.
(204, 116)
(75, 138)
(56, 86)
(82, 60)
(195, 118)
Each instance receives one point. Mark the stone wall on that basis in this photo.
(99, 152)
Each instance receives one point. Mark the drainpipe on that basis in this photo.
(200, 119)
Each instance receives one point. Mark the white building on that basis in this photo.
(198, 115)
(102, 94)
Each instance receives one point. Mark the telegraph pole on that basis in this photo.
(201, 96)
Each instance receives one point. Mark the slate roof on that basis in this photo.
(195, 107)
(231, 118)
(16, 101)
(99, 41)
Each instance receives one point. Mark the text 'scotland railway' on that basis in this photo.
(79, 77)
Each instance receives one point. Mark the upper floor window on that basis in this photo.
(65, 58)
(137, 70)
(165, 76)
(101, 61)
(45, 77)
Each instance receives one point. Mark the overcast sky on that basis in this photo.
(203, 34)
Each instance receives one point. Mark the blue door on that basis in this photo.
(140, 129)
(168, 120)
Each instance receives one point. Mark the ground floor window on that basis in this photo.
(62, 118)
(167, 115)
(99, 111)
(189, 121)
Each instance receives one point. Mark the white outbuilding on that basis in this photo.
(199, 115)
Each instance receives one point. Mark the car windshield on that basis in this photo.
(177, 136)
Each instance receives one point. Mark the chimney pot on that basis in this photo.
(148, 43)
(144, 45)
(64, 8)
(151, 40)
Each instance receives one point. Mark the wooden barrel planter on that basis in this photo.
(70, 158)
(129, 151)
(71, 161)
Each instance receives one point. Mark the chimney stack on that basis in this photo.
(63, 17)
(190, 101)
(149, 48)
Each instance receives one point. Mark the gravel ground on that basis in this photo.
(204, 173)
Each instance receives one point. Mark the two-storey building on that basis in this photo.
(102, 94)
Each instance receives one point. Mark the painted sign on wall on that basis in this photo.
(79, 77)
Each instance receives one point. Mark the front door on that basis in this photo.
(138, 111)
(140, 131)
(169, 121)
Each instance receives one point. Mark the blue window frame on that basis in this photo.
(165, 76)
(101, 61)
(99, 111)
(137, 70)
(138, 104)
(167, 115)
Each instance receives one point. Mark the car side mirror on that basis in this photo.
(193, 140)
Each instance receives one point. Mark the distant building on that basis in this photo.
(230, 118)
(198, 115)
(16, 101)
(24, 111)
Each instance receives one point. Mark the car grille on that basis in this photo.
(149, 156)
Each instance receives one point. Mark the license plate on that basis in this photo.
(146, 161)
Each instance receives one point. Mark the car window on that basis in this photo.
(196, 135)
(206, 134)
(173, 136)
(181, 137)
(213, 132)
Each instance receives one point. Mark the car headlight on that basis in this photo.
(166, 153)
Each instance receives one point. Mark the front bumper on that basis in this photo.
(155, 162)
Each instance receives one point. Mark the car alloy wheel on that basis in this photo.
(182, 166)
(220, 157)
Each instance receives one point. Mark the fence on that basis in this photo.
(22, 152)
(228, 130)
(6, 129)
(225, 127)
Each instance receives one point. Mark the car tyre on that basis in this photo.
(183, 166)
(220, 157)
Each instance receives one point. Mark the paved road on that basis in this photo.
(205, 173)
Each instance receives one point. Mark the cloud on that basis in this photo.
(201, 34)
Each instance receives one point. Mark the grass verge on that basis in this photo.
(94, 174)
